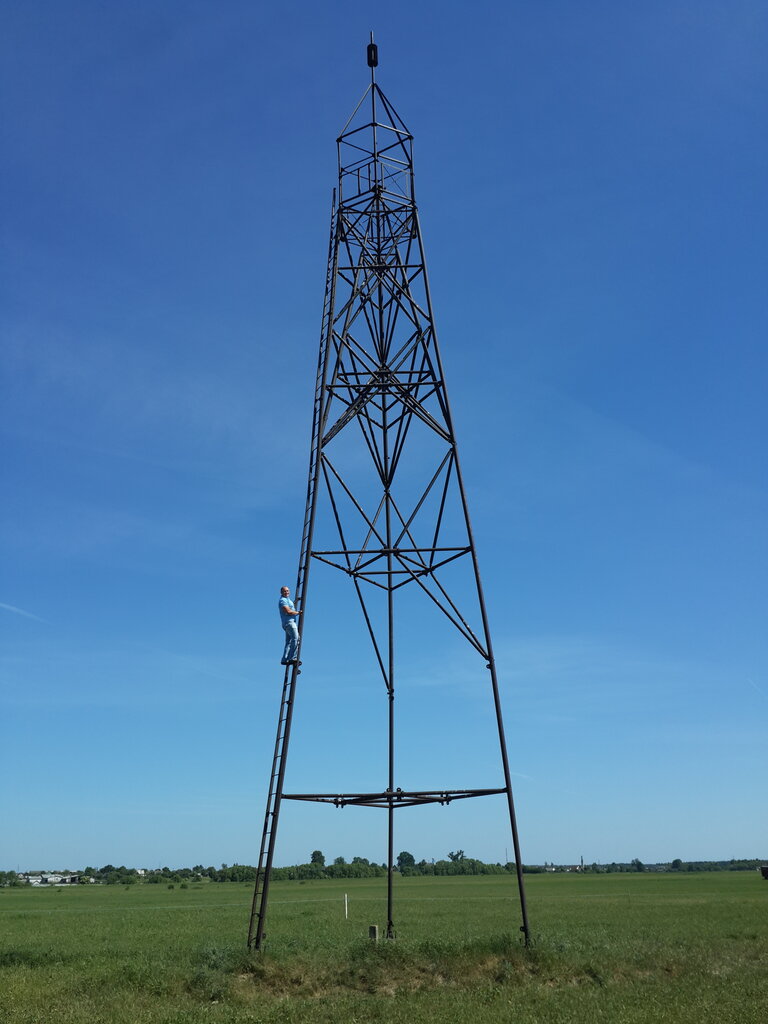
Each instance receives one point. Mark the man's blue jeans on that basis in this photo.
(291, 642)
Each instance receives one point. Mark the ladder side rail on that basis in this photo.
(267, 830)
(269, 835)
(322, 370)
(270, 824)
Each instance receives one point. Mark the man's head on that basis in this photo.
(285, 591)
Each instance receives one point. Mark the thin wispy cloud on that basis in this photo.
(137, 672)
(72, 526)
(208, 667)
(755, 687)
(130, 396)
(20, 611)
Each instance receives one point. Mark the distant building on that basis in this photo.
(48, 878)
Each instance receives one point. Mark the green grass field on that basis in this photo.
(614, 948)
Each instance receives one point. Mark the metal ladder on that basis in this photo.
(275, 795)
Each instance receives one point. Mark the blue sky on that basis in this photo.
(591, 184)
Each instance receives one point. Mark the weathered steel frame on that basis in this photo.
(381, 391)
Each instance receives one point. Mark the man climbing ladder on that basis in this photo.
(288, 616)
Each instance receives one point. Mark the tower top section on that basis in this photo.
(375, 146)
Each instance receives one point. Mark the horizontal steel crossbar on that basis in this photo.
(393, 798)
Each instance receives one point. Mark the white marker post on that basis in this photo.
(346, 908)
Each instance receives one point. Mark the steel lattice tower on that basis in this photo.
(380, 391)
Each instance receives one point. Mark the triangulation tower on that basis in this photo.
(383, 467)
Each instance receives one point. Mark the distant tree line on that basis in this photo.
(676, 865)
(457, 863)
(717, 865)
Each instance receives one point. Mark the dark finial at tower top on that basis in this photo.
(373, 54)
